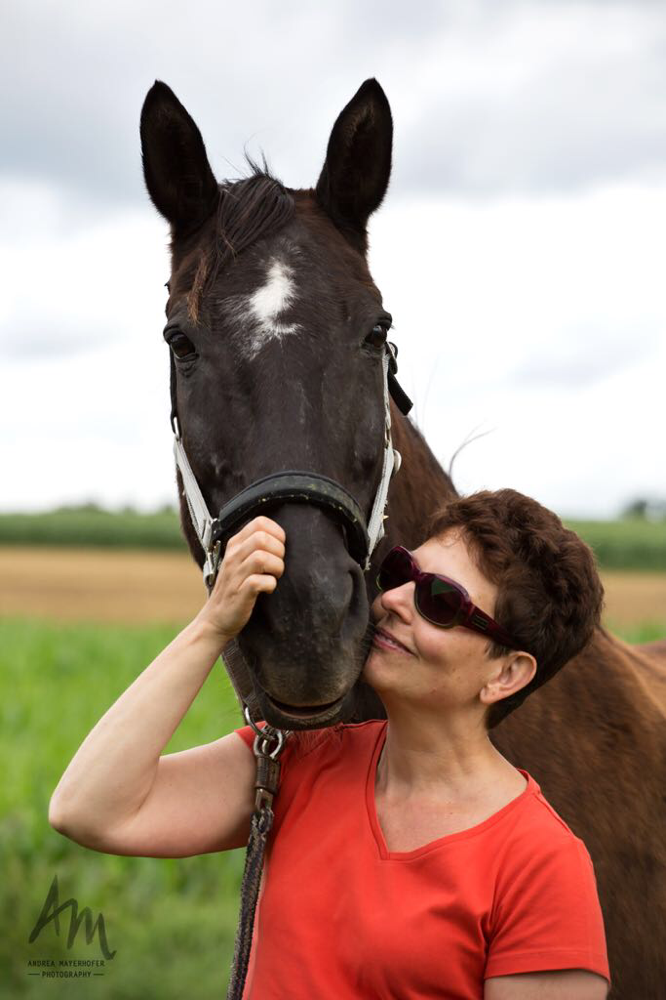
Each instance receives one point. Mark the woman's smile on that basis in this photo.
(385, 640)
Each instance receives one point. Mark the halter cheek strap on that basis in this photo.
(391, 463)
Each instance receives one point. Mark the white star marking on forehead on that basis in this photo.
(263, 307)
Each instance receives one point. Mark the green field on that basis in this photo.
(171, 922)
(634, 543)
(93, 527)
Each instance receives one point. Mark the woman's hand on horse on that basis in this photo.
(253, 563)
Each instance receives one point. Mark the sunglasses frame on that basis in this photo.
(469, 615)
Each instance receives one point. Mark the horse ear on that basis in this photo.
(355, 176)
(179, 179)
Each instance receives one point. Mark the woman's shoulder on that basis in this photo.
(544, 893)
(536, 833)
(543, 814)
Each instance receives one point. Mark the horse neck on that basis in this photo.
(419, 488)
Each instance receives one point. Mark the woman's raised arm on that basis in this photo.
(118, 795)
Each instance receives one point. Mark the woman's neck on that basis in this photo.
(451, 759)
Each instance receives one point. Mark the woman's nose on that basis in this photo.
(399, 601)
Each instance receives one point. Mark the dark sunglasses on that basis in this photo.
(438, 599)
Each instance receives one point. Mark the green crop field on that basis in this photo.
(634, 543)
(81, 526)
(171, 922)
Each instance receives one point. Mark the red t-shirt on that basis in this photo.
(342, 917)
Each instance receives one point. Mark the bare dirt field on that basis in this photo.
(141, 586)
(109, 585)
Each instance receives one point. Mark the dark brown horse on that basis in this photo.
(276, 331)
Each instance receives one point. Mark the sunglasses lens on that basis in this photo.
(395, 570)
(436, 599)
(439, 601)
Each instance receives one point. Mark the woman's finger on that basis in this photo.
(262, 562)
(261, 523)
(259, 583)
(259, 541)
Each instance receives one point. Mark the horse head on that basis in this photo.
(277, 335)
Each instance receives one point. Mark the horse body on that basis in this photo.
(275, 324)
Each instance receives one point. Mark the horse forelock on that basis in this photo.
(247, 210)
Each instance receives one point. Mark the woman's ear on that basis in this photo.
(516, 670)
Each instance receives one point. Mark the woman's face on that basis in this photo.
(413, 659)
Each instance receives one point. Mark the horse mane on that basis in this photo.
(247, 210)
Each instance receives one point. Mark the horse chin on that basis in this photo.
(293, 717)
(290, 698)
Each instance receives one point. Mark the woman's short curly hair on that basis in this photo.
(549, 595)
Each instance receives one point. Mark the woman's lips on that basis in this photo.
(385, 640)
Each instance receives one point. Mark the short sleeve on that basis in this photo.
(247, 734)
(547, 914)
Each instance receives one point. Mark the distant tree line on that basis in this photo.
(92, 507)
(643, 508)
(646, 508)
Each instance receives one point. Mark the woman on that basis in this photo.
(408, 858)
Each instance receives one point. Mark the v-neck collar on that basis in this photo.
(473, 831)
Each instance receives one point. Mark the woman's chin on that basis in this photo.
(367, 672)
(374, 671)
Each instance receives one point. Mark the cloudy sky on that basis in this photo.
(521, 247)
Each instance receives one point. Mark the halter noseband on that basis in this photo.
(295, 487)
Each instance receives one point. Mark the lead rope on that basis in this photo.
(266, 785)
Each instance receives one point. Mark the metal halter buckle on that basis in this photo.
(264, 737)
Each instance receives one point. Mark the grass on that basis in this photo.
(640, 633)
(172, 922)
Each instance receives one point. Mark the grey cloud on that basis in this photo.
(78, 78)
(541, 145)
(275, 76)
(585, 356)
(35, 335)
(46, 344)
(586, 108)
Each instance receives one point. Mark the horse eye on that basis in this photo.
(181, 346)
(377, 336)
